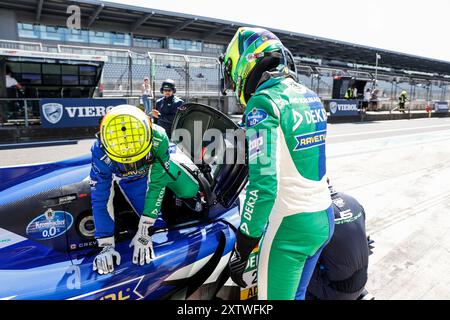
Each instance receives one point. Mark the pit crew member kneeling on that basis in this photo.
(341, 272)
(133, 153)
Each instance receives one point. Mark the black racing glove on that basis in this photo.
(244, 246)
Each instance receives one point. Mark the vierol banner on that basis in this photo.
(79, 112)
(343, 108)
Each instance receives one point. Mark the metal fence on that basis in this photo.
(20, 45)
(193, 75)
(388, 87)
(140, 69)
(19, 111)
(170, 66)
(204, 75)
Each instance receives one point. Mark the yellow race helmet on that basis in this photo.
(126, 135)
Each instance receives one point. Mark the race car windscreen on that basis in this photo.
(195, 139)
(215, 144)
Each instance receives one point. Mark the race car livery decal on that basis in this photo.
(126, 290)
(83, 245)
(250, 277)
(49, 225)
(255, 117)
(8, 238)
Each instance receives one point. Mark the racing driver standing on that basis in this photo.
(287, 209)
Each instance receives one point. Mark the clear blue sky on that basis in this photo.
(416, 27)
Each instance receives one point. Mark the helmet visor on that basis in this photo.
(141, 166)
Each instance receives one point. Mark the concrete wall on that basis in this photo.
(414, 105)
(8, 29)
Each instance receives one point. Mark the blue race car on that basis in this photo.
(46, 226)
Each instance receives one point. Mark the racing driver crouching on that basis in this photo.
(132, 152)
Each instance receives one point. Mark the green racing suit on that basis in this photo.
(287, 202)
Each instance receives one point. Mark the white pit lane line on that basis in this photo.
(359, 133)
(360, 147)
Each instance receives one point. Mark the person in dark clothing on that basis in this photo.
(167, 106)
(402, 101)
(341, 272)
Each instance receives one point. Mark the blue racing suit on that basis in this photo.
(133, 185)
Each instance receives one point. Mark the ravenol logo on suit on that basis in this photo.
(310, 140)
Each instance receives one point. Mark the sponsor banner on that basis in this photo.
(49, 225)
(441, 106)
(344, 108)
(79, 112)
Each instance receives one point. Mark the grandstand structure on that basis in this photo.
(142, 42)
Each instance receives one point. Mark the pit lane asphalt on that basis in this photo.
(400, 171)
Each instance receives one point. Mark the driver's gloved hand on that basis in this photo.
(142, 242)
(104, 261)
(244, 246)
